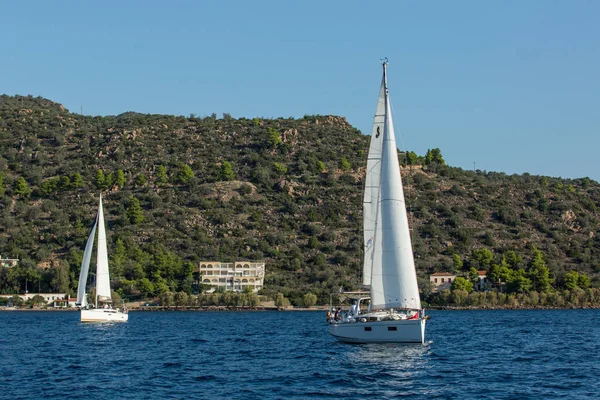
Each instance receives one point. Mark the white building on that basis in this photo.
(442, 280)
(8, 262)
(71, 302)
(48, 297)
(482, 281)
(234, 276)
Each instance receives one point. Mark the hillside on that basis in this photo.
(179, 190)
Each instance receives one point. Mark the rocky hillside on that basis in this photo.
(179, 190)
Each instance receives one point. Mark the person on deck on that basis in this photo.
(354, 309)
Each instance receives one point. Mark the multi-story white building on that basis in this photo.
(234, 276)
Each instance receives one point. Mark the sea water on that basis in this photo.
(501, 354)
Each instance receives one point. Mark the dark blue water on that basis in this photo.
(290, 355)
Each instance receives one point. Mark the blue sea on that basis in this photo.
(499, 354)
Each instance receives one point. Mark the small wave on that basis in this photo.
(172, 364)
(204, 378)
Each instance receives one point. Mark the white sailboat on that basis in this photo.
(102, 310)
(395, 314)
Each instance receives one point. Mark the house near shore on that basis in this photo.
(48, 297)
(442, 281)
(71, 302)
(235, 277)
(482, 282)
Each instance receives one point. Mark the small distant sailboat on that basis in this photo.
(103, 310)
(395, 314)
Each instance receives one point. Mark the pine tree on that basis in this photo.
(185, 173)
(100, 179)
(161, 174)
(226, 172)
(134, 211)
(76, 180)
(22, 188)
(120, 178)
(344, 164)
(539, 272)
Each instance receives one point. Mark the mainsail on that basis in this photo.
(85, 266)
(370, 199)
(394, 278)
(102, 274)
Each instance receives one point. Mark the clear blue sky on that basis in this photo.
(513, 86)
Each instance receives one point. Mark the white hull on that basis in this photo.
(399, 331)
(103, 315)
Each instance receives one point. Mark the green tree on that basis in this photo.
(161, 174)
(513, 259)
(76, 180)
(571, 280)
(583, 281)
(65, 182)
(344, 164)
(37, 300)
(22, 188)
(280, 168)
(539, 272)
(120, 178)
(309, 300)
(434, 156)
(1, 184)
(483, 257)
(100, 179)
(456, 262)
(184, 174)
(145, 286)
(273, 138)
(281, 301)
(181, 299)
(461, 283)
(473, 276)
(140, 180)
(118, 258)
(226, 171)
(518, 282)
(321, 166)
(108, 181)
(411, 158)
(166, 299)
(134, 211)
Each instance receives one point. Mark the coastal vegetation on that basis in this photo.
(179, 190)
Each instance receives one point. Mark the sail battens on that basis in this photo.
(85, 266)
(103, 277)
(371, 196)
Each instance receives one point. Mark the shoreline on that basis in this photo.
(292, 309)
